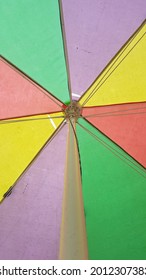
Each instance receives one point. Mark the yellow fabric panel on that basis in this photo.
(20, 141)
(123, 81)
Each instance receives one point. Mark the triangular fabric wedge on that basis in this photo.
(114, 191)
(124, 124)
(31, 39)
(30, 217)
(95, 31)
(123, 80)
(20, 96)
(20, 141)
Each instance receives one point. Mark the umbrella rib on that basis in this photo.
(28, 119)
(99, 85)
(114, 151)
(34, 83)
(77, 147)
(60, 127)
(113, 115)
(124, 47)
(65, 47)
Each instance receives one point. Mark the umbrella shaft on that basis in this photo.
(73, 241)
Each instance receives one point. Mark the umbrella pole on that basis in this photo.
(73, 240)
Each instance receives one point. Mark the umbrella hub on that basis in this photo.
(73, 111)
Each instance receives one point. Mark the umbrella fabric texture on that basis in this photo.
(44, 172)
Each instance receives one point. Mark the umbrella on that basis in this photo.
(105, 144)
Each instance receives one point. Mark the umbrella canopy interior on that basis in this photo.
(73, 178)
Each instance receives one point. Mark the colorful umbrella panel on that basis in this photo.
(105, 154)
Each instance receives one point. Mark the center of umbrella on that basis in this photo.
(73, 111)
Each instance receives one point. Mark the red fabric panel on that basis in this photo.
(19, 96)
(124, 124)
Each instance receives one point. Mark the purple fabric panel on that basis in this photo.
(95, 31)
(30, 217)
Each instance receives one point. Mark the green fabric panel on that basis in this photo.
(31, 38)
(114, 199)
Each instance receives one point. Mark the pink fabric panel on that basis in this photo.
(19, 96)
(124, 124)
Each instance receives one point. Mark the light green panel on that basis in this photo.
(114, 199)
(30, 37)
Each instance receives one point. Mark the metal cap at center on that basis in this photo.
(73, 110)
